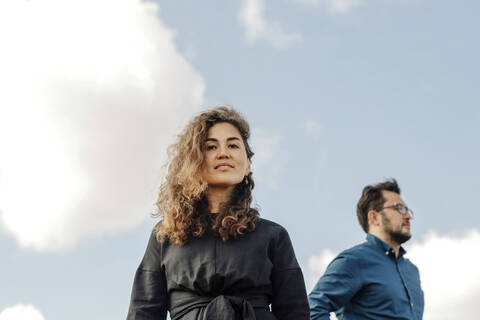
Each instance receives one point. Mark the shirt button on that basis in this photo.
(386, 252)
(411, 304)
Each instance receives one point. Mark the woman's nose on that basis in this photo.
(223, 152)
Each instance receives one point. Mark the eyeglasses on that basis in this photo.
(403, 210)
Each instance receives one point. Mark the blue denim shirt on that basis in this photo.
(367, 282)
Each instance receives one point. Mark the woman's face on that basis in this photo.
(225, 161)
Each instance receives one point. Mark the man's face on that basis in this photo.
(394, 224)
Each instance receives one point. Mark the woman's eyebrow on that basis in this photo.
(216, 140)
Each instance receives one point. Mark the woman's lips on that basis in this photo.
(223, 166)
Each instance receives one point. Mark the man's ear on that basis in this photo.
(373, 218)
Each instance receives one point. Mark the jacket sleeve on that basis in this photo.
(289, 297)
(334, 289)
(149, 298)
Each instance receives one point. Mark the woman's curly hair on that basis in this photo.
(182, 201)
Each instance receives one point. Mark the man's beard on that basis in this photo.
(398, 237)
(395, 236)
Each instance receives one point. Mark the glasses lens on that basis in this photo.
(410, 212)
(401, 208)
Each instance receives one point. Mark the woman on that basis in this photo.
(211, 256)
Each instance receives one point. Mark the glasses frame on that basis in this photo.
(400, 208)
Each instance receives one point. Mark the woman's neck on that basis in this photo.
(217, 196)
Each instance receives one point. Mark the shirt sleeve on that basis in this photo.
(289, 297)
(335, 288)
(149, 299)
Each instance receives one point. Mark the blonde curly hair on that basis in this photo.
(182, 202)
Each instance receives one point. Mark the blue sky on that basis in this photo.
(339, 94)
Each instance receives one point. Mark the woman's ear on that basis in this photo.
(249, 167)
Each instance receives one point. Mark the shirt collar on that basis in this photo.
(385, 247)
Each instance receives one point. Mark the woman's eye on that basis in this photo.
(233, 146)
(211, 147)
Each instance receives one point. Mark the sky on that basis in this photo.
(339, 94)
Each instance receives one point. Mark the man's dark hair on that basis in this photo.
(372, 199)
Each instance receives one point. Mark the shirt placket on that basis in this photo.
(398, 264)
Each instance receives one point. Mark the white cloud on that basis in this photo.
(92, 92)
(317, 264)
(345, 6)
(21, 312)
(335, 6)
(269, 160)
(252, 16)
(448, 271)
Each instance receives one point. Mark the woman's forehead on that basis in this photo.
(223, 130)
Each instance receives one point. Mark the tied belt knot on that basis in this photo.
(220, 307)
(229, 307)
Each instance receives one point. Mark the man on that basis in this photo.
(373, 280)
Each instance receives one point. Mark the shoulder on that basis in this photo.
(356, 251)
(280, 248)
(268, 226)
(348, 263)
(357, 256)
(272, 233)
(410, 265)
(156, 241)
(155, 232)
(153, 253)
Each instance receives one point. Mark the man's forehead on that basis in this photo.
(391, 197)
